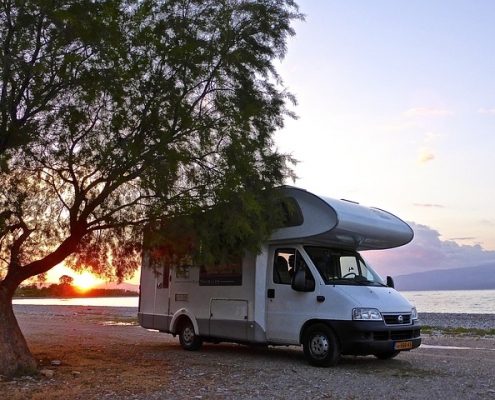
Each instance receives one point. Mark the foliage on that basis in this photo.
(117, 113)
(66, 280)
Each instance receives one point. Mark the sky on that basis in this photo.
(396, 109)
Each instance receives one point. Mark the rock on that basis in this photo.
(48, 373)
(76, 374)
(56, 363)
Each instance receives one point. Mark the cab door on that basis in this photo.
(287, 309)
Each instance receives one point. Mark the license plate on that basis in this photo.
(403, 345)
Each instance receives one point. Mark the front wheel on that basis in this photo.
(188, 338)
(320, 346)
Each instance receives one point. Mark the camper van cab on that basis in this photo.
(308, 286)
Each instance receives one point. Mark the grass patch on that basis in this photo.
(458, 331)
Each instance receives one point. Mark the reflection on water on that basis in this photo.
(86, 301)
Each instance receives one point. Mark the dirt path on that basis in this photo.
(104, 356)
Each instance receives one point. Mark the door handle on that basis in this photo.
(270, 293)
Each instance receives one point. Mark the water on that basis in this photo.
(444, 301)
(128, 301)
(453, 301)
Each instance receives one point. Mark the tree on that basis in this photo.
(118, 113)
(66, 280)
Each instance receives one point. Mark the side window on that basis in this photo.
(228, 274)
(291, 213)
(282, 268)
(285, 262)
(166, 276)
(183, 272)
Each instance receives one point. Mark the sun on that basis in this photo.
(85, 281)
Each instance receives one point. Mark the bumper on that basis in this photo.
(373, 337)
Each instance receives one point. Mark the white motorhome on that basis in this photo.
(308, 285)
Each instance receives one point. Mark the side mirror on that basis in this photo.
(300, 284)
(390, 282)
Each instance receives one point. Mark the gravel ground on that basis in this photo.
(471, 321)
(114, 360)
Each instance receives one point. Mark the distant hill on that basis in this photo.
(123, 286)
(470, 278)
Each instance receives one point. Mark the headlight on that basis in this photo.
(414, 313)
(368, 314)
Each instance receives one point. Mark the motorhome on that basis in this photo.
(308, 286)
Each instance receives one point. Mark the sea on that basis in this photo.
(442, 301)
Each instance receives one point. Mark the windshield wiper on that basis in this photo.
(358, 279)
(361, 280)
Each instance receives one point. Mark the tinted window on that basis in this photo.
(229, 274)
(291, 213)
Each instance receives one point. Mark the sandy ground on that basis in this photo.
(104, 355)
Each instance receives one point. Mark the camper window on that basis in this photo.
(290, 212)
(166, 277)
(228, 274)
(182, 272)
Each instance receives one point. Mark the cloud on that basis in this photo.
(427, 112)
(427, 252)
(487, 222)
(398, 126)
(425, 155)
(490, 111)
(428, 205)
(461, 239)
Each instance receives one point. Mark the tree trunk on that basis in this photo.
(15, 357)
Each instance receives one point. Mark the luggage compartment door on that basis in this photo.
(229, 319)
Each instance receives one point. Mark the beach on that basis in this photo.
(101, 353)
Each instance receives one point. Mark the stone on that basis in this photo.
(48, 373)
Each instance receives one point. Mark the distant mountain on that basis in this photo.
(470, 278)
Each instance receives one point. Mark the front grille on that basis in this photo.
(397, 319)
(397, 335)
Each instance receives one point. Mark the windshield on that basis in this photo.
(342, 267)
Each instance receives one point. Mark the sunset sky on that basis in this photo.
(396, 106)
(397, 110)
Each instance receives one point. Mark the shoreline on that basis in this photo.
(435, 320)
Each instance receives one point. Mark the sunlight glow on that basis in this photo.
(85, 281)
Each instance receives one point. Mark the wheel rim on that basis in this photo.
(319, 345)
(188, 335)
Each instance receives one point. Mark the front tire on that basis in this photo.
(321, 347)
(188, 338)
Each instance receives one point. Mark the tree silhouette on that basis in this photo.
(66, 280)
(115, 114)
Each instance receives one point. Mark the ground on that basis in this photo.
(104, 355)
